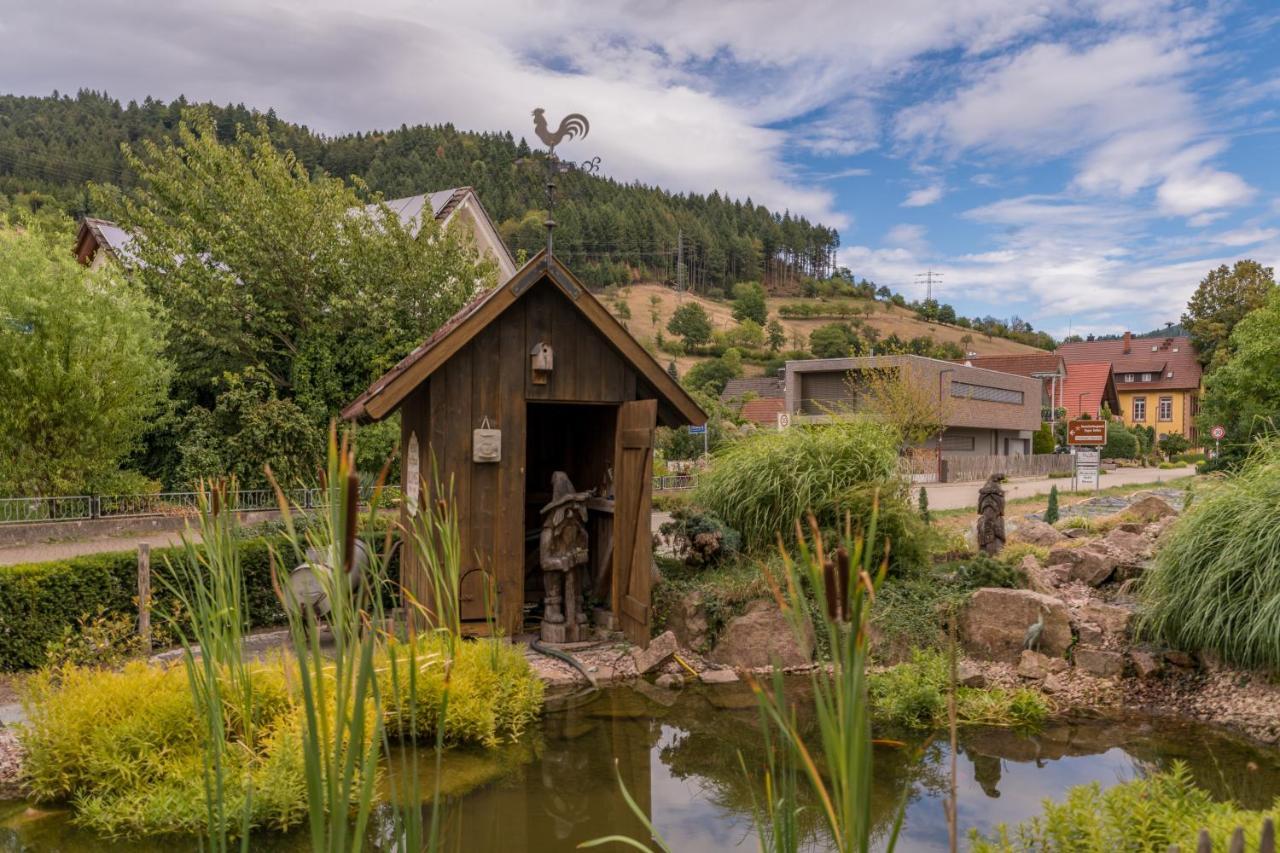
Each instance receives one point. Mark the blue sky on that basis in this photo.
(1080, 163)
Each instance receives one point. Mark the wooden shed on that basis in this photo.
(532, 377)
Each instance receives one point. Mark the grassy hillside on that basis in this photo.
(885, 318)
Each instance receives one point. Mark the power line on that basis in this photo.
(929, 277)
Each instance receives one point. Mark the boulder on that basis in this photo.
(994, 623)
(1100, 662)
(762, 637)
(1037, 533)
(1146, 664)
(1086, 563)
(969, 674)
(661, 648)
(718, 676)
(1150, 508)
(1184, 660)
(1133, 546)
(1038, 578)
(1037, 666)
(688, 621)
(1112, 619)
(1090, 634)
(670, 681)
(1055, 682)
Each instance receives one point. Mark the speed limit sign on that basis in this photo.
(1219, 432)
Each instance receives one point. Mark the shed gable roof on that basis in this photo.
(382, 397)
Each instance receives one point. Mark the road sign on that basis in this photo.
(1219, 432)
(784, 420)
(1088, 461)
(697, 430)
(1087, 433)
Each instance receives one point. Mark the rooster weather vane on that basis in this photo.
(572, 126)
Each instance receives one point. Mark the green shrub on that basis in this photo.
(1151, 813)
(923, 505)
(1013, 554)
(1042, 440)
(39, 600)
(1215, 582)
(763, 484)
(914, 695)
(100, 639)
(982, 571)
(1121, 442)
(1051, 511)
(493, 694)
(700, 538)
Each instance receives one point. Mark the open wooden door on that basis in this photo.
(632, 536)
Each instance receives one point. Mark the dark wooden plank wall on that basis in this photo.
(491, 377)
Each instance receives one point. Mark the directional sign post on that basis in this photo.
(1088, 437)
(702, 431)
(1087, 465)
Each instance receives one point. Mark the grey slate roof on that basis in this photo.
(765, 387)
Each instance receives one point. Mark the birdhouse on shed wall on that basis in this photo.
(541, 358)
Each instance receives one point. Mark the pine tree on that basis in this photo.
(924, 505)
(672, 372)
(1051, 513)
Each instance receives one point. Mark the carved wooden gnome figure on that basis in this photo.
(562, 552)
(991, 516)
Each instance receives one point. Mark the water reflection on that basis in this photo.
(678, 756)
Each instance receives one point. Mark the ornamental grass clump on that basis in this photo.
(762, 484)
(1215, 583)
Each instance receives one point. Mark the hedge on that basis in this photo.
(38, 600)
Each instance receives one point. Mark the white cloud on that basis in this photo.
(924, 196)
(1246, 236)
(907, 236)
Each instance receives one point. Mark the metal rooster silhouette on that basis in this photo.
(572, 126)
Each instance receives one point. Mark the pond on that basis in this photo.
(678, 755)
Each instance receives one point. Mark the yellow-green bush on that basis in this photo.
(1145, 814)
(493, 695)
(914, 694)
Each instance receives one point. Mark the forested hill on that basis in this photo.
(54, 145)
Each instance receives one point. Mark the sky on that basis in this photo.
(1078, 163)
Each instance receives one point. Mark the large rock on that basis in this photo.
(1150, 508)
(688, 621)
(1036, 666)
(1146, 664)
(969, 674)
(660, 650)
(762, 637)
(1038, 578)
(1037, 533)
(1133, 546)
(1100, 662)
(1112, 619)
(1086, 563)
(993, 625)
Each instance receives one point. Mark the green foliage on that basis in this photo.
(1225, 296)
(724, 590)
(1215, 582)
(834, 340)
(277, 296)
(748, 334)
(1121, 442)
(1173, 443)
(982, 571)
(749, 304)
(765, 483)
(1042, 440)
(1243, 394)
(700, 538)
(776, 334)
(83, 372)
(1051, 511)
(914, 695)
(493, 695)
(99, 639)
(40, 600)
(1150, 813)
(922, 503)
(691, 323)
(711, 376)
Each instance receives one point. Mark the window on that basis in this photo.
(1166, 409)
(1128, 377)
(1146, 377)
(987, 393)
(1139, 409)
(957, 442)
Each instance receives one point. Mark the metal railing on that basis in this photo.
(673, 482)
(27, 510)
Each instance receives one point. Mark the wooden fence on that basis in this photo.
(963, 469)
(1266, 843)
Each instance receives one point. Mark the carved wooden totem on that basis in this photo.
(991, 515)
(562, 553)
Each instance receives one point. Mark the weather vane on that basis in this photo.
(572, 126)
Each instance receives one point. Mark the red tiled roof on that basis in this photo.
(1140, 359)
(763, 410)
(1086, 387)
(1020, 365)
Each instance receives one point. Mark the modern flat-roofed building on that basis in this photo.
(987, 413)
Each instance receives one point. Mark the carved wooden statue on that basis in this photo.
(562, 552)
(991, 515)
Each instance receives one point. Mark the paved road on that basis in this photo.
(961, 495)
(14, 554)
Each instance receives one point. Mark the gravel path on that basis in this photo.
(961, 495)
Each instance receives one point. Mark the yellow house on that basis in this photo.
(1157, 380)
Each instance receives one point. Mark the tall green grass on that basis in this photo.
(1215, 582)
(762, 484)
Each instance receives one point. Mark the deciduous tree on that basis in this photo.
(1221, 301)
